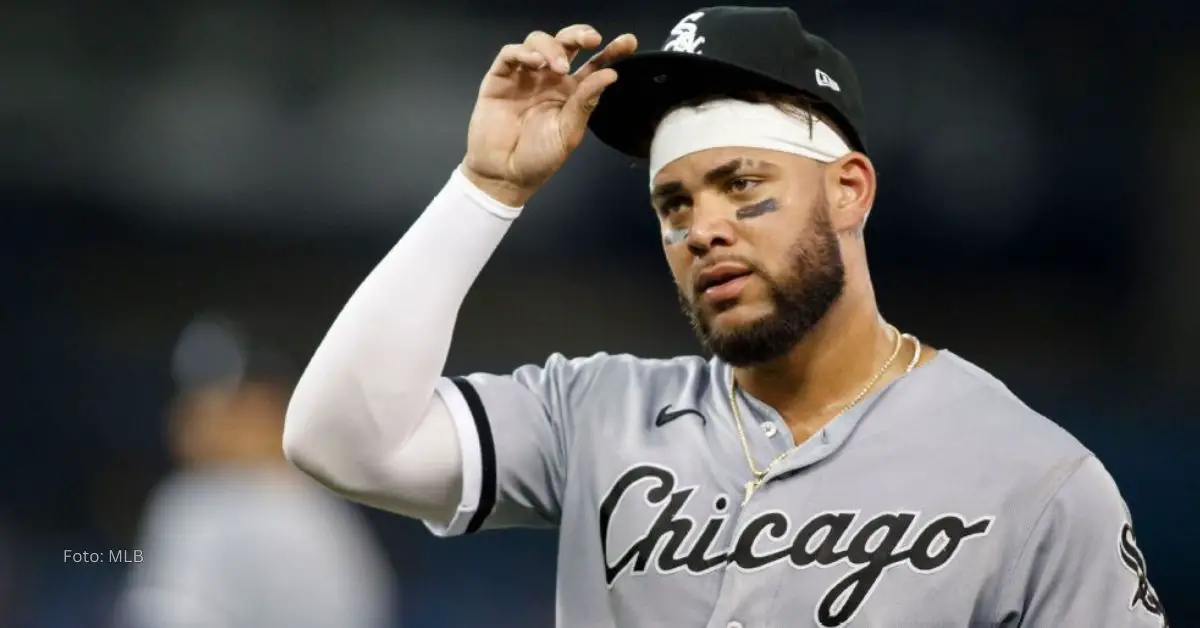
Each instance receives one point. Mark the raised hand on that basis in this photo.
(532, 111)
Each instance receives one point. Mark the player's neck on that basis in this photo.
(827, 369)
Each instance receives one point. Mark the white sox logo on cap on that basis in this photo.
(683, 36)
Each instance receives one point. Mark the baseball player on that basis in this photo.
(234, 537)
(823, 468)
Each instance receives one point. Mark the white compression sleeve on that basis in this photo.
(364, 419)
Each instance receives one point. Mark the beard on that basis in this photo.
(813, 282)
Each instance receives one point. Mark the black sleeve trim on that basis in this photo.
(487, 454)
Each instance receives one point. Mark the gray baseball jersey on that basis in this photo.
(253, 548)
(941, 501)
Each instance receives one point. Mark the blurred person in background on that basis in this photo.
(235, 538)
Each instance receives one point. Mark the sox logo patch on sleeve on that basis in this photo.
(1143, 594)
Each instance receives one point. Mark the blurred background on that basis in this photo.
(1037, 214)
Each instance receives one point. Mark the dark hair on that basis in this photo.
(792, 102)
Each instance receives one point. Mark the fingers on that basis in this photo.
(561, 49)
(544, 45)
(513, 57)
(588, 93)
(582, 103)
(577, 37)
(540, 50)
(622, 46)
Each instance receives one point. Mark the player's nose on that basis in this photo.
(712, 227)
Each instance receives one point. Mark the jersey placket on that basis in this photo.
(747, 596)
(769, 437)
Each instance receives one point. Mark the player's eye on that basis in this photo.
(741, 184)
(672, 205)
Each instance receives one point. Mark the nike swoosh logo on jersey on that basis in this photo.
(666, 415)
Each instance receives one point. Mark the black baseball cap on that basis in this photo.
(726, 49)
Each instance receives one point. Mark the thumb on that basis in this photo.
(582, 103)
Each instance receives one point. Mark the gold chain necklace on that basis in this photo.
(760, 476)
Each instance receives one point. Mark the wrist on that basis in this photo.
(502, 192)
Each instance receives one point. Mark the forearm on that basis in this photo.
(370, 383)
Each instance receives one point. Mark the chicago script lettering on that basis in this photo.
(670, 525)
(870, 545)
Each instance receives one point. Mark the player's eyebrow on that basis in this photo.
(720, 173)
(723, 171)
(665, 190)
(735, 166)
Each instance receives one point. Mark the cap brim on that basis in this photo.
(651, 83)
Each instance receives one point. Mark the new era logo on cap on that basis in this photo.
(683, 36)
(824, 80)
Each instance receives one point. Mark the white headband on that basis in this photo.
(724, 123)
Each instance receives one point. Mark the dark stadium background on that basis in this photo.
(1038, 214)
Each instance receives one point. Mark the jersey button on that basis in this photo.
(770, 430)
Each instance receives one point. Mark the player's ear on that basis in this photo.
(850, 190)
